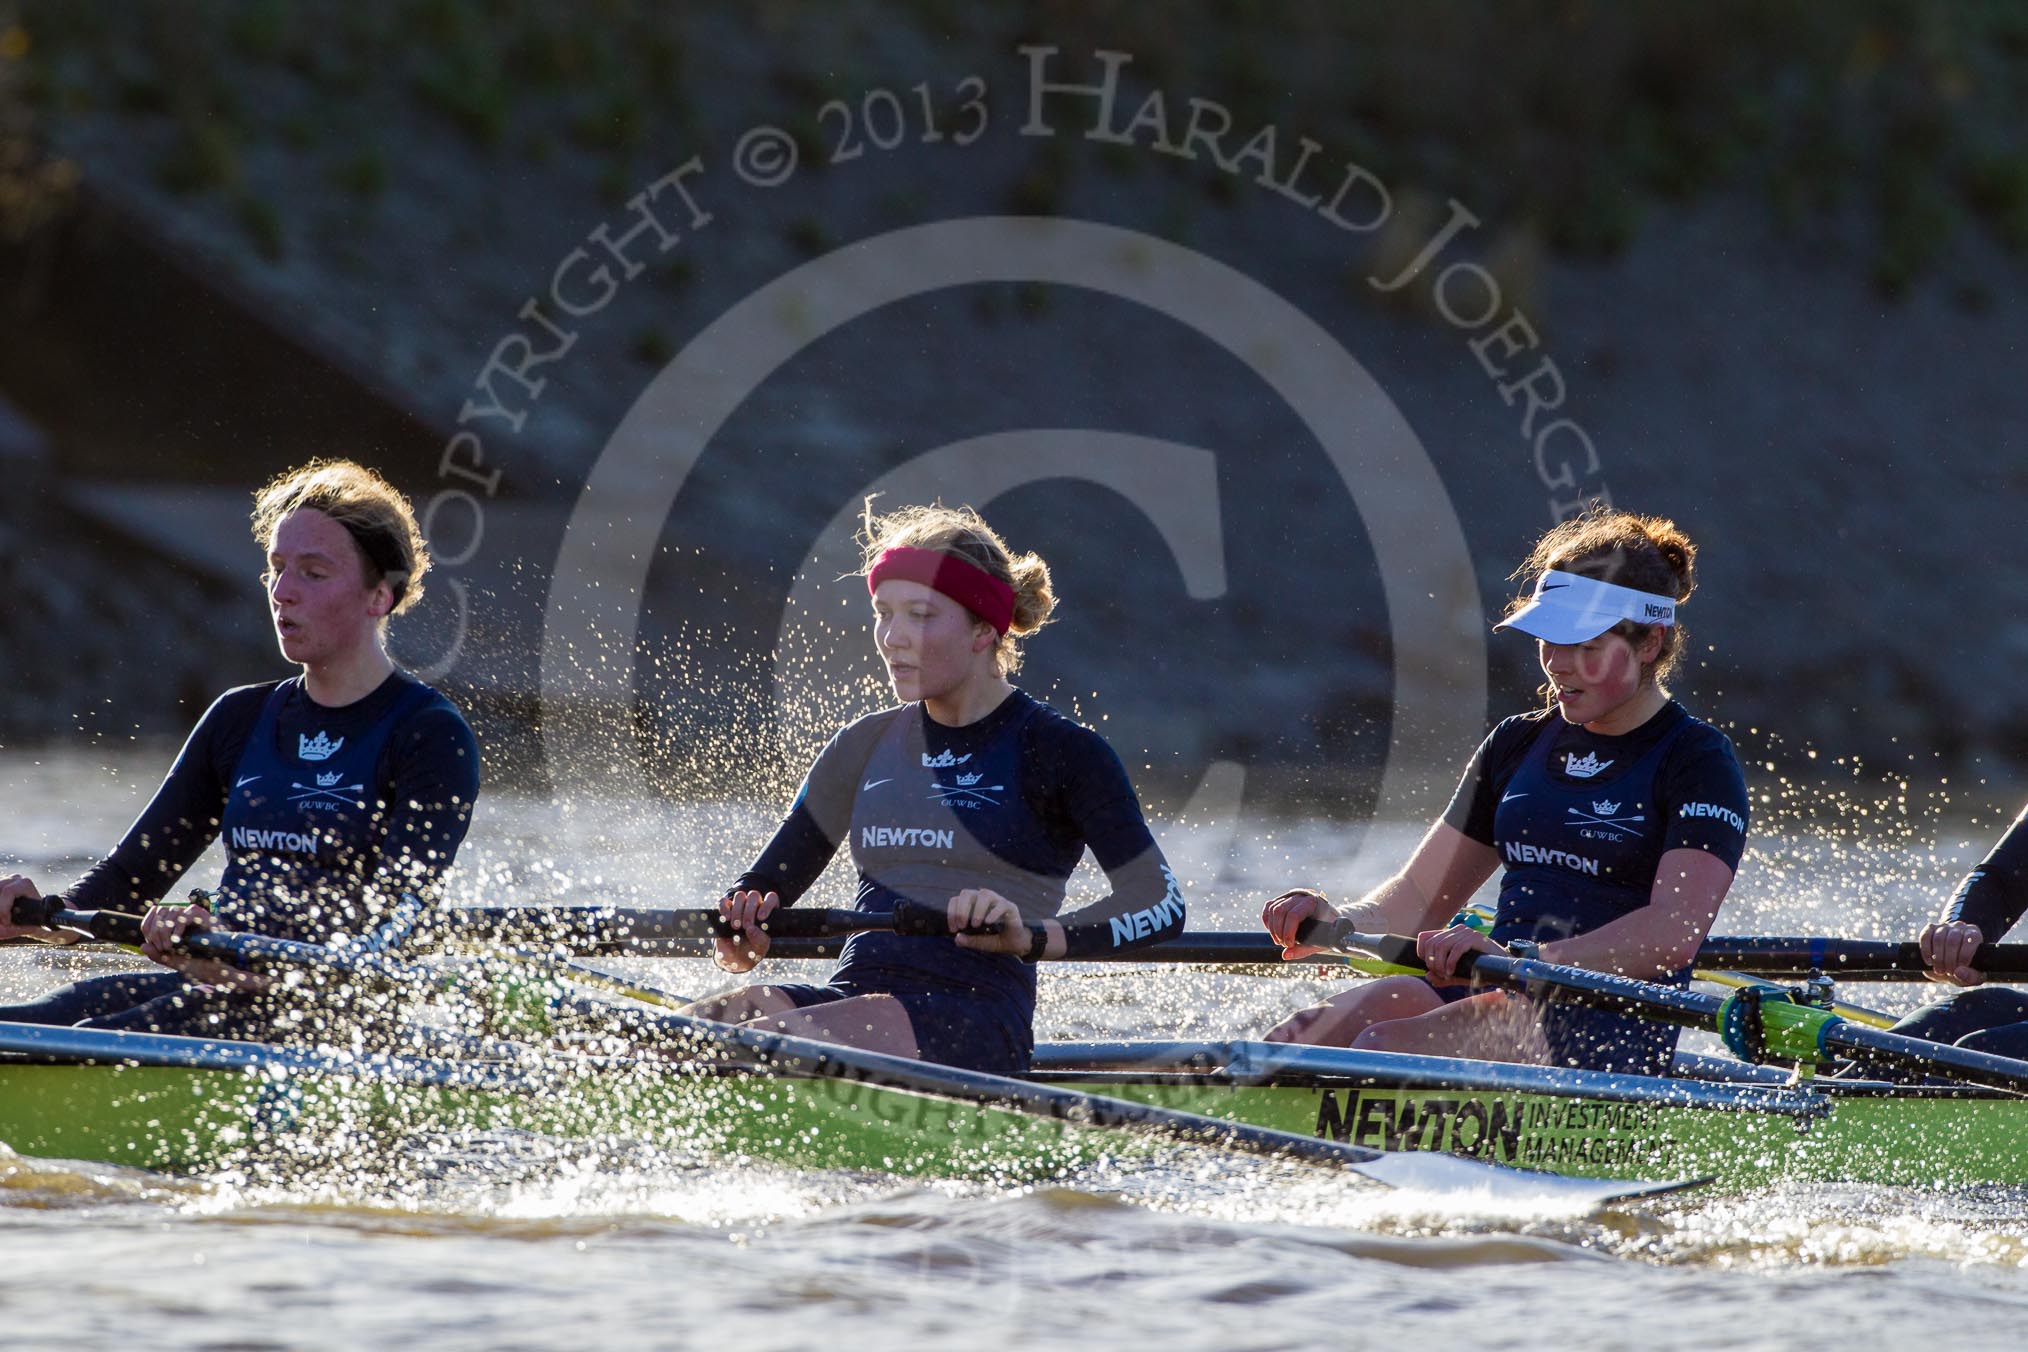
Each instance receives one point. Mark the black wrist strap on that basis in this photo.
(1038, 940)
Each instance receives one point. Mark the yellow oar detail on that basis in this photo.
(1871, 1018)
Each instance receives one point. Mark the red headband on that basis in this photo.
(966, 583)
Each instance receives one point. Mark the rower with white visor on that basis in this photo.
(1619, 817)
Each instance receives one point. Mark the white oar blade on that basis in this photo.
(1450, 1176)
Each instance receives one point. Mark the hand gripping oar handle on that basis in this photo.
(111, 927)
(1339, 936)
(592, 930)
(248, 952)
(116, 927)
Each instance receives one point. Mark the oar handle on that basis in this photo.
(584, 929)
(248, 952)
(117, 927)
(111, 927)
(1339, 936)
(908, 917)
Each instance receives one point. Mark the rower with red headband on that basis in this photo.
(1619, 817)
(970, 797)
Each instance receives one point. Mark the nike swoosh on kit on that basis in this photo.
(875, 783)
(1505, 797)
(244, 782)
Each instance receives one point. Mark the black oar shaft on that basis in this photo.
(1201, 948)
(1848, 958)
(797, 932)
(1756, 956)
(590, 930)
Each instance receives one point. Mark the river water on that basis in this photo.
(531, 1244)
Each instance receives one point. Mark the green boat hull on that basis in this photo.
(1881, 1138)
(185, 1119)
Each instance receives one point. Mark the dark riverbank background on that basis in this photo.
(1767, 259)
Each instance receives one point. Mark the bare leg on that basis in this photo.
(741, 1005)
(1495, 1026)
(874, 1023)
(1340, 1019)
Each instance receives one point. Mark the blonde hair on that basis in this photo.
(375, 513)
(964, 534)
(1646, 553)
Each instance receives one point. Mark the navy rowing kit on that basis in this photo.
(1007, 803)
(328, 815)
(1581, 821)
(1993, 896)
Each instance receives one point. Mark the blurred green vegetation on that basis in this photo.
(1578, 119)
(34, 188)
(1583, 118)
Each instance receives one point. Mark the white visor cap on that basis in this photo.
(1567, 608)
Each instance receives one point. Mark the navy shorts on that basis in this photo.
(972, 1030)
(147, 1002)
(1979, 1018)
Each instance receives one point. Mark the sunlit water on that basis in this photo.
(535, 1244)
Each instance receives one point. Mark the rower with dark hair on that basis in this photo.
(336, 791)
(1989, 902)
(970, 798)
(1619, 817)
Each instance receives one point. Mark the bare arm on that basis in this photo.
(1658, 939)
(801, 847)
(182, 818)
(1436, 883)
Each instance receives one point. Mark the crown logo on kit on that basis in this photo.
(966, 781)
(1605, 809)
(1583, 767)
(317, 748)
(328, 778)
